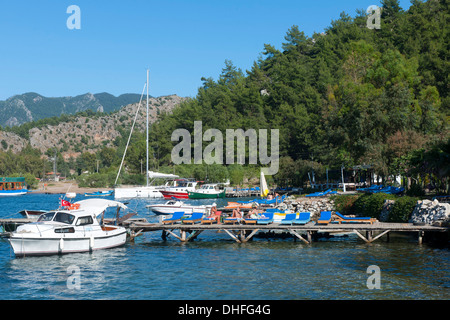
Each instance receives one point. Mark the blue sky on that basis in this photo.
(179, 41)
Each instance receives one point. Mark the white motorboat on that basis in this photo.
(172, 206)
(71, 229)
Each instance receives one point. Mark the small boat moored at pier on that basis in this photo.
(207, 191)
(175, 205)
(71, 229)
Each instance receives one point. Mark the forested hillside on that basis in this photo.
(348, 96)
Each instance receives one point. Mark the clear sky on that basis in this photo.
(179, 41)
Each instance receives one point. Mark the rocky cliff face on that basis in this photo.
(89, 133)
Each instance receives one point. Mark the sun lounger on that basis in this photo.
(250, 220)
(325, 217)
(289, 218)
(303, 218)
(176, 218)
(232, 220)
(343, 219)
(267, 219)
(196, 217)
(211, 220)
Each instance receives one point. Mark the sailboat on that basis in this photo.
(149, 190)
(263, 186)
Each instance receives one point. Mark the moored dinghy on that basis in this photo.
(74, 228)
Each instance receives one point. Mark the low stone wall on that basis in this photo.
(312, 205)
(431, 212)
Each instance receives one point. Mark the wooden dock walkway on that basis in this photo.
(244, 232)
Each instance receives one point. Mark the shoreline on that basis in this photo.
(63, 188)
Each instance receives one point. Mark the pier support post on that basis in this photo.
(232, 235)
(293, 232)
(183, 235)
(309, 236)
(421, 233)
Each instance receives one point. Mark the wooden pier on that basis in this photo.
(242, 233)
(307, 233)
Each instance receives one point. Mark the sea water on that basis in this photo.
(214, 266)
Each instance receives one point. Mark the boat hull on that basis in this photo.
(137, 192)
(204, 195)
(174, 194)
(99, 194)
(168, 210)
(26, 245)
(7, 193)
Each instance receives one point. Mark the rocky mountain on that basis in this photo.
(33, 106)
(88, 133)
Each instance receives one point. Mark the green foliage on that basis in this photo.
(96, 180)
(370, 205)
(415, 191)
(339, 97)
(402, 209)
(345, 204)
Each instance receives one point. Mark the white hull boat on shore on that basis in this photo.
(172, 206)
(70, 230)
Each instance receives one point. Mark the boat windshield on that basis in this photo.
(64, 217)
(46, 216)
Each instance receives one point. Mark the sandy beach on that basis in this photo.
(64, 187)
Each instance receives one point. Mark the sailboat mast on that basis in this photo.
(146, 171)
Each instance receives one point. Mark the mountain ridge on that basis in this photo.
(31, 106)
(77, 134)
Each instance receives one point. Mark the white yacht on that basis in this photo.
(149, 191)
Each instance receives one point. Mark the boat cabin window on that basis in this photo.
(65, 230)
(84, 221)
(64, 217)
(46, 216)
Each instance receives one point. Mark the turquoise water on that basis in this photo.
(215, 267)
